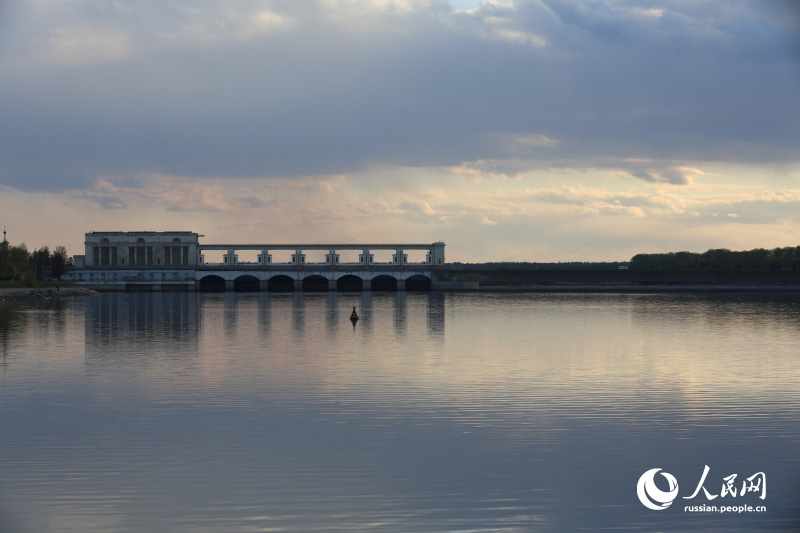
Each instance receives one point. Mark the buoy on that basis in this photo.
(354, 315)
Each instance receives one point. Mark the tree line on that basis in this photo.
(16, 263)
(787, 258)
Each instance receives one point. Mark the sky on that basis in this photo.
(522, 130)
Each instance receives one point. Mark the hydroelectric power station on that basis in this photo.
(177, 261)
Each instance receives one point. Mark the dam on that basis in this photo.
(178, 261)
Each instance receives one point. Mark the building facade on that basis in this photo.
(141, 249)
(175, 260)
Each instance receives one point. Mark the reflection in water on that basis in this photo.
(400, 312)
(124, 328)
(436, 412)
(29, 324)
(12, 324)
(435, 314)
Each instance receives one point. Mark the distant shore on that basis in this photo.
(666, 280)
(606, 288)
(23, 293)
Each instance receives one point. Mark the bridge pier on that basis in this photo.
(401, 284)
(298, 285)
(229, 285)
(367, 285)
(263, 285)
(332, 285)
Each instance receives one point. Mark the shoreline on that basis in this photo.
(12, 294)
(22, 293)
(644, 288)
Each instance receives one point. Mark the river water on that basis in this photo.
(434, 412)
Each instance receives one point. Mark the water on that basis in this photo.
(435, 412)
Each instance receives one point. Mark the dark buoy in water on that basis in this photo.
(354, 315)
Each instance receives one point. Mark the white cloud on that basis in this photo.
(78, 46)
(554, 115)
(226, 24)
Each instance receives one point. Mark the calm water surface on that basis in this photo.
(436, 412)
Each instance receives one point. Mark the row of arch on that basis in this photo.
(349, 283)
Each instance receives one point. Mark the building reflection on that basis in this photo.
(332, 313)
(301, 313)
(436, 306)
(400, 312)
(122, 325)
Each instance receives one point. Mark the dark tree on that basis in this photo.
(40, 261)
(59, 262)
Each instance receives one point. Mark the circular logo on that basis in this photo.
(651, 496)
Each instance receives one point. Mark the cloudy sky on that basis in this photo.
(537, 130)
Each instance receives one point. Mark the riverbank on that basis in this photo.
(599, 288)
(59, 291)
(505, 280)
(504, 277)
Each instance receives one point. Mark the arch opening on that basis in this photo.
(349, 283)
(246, 284)
(212, 284)
(280, 284)
(315, 284)
(384, 283)
(418, 283)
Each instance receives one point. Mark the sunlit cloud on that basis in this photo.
(79, 46)
(559, 127)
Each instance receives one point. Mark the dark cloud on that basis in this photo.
(106, 202)
(252, 201)
(145, 87)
